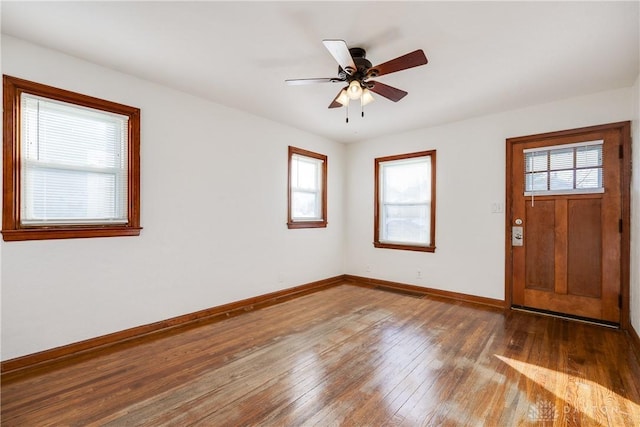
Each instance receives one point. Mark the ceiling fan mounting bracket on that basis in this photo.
(357, 52)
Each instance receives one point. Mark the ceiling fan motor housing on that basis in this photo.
(362, 64)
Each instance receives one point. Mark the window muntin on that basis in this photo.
(405, 202)
(307, 189)
(71, 162)
(564, 169)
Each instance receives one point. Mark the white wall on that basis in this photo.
(635, 208)
(213, 211)
(470, 178)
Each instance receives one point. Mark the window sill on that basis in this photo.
(404, 247)
(307, 224)
(67, 233)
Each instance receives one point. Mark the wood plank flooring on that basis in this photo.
(345, 356)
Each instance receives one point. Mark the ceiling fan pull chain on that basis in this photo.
(347, 110)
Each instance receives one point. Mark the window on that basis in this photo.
(405, 200)
(71, 164)
(307, 189)
(564, 169)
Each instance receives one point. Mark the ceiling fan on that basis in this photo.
(355, 70)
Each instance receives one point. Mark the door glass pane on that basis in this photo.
(536, 181)
(537, 161)
(589, 156)
(589, 178)
(562, 159)
(561, 180)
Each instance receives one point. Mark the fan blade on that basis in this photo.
(294, 82)
(340, 52)
(410, 60)
(387, 91)
(335, 103)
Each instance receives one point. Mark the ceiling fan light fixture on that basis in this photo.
(366, 98)
(355, 90)
(343, 98)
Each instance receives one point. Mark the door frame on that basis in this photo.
(625, 177)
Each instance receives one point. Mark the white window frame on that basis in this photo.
(32, 163)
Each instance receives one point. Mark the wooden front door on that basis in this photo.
(567, 205)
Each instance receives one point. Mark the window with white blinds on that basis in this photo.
(73, 163)
(564, 169)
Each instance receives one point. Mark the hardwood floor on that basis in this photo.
(350, 356)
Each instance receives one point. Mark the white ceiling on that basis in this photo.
(484, 57)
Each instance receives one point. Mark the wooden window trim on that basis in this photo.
(376, 216)
(291, 224)
(12, 230)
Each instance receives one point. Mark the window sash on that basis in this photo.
(300, 212)
(411, 229)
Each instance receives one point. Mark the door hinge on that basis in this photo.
(620, 151)
(619, 300)
(620, 225)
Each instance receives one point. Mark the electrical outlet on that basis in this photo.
(368, 269)
(419, 274)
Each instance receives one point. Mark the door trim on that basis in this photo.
(625, 176)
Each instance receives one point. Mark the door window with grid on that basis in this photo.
(564, 169)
